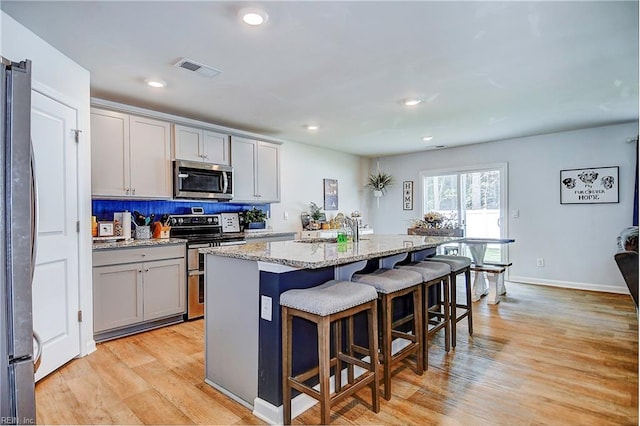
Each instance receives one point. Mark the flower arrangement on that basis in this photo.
(436, 220)
(379, 181)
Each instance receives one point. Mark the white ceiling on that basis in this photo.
(486, 70)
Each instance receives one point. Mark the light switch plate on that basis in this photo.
(265, 308)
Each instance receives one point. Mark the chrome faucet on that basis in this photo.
(353, 224)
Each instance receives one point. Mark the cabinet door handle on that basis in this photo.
(133, 191)
(127, 191)
(143, 254)
(146, 270)
(140, 270)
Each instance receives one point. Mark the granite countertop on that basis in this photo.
(311, 255)
(261, 233)
(99, 245)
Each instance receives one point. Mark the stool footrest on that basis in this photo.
(402, 321)
(403, 335)
(306, 375)
(346, 390)
(353, 360)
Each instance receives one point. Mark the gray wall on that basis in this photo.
(576, 241)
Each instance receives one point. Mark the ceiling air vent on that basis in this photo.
(204, 70)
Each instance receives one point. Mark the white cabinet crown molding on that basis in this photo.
(176, 119)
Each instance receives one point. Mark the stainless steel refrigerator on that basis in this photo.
(18, 231)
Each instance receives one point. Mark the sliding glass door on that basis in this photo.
(473, 197)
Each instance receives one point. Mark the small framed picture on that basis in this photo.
(330, 194)
(589, 186)
(105, 229)
(407, 195)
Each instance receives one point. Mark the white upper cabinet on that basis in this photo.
(195, 144)
(256, 170)
(130, 156)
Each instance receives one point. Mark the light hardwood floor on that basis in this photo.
(542, 356)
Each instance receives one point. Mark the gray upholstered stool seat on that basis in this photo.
(328, 298)
(391, 284)
(436, 312)
(459, 265)
(428, 270)
(329, 305)
(389, 280)
(456, 263)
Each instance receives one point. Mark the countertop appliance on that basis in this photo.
(195, 180)
(200, 231)
(17, 253)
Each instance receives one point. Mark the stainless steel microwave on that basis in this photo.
(195, 180)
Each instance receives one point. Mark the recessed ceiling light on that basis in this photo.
(412, 101)
(154, 82)
(253, 16)
(312, 127)
(427, 138)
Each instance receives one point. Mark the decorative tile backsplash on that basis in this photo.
(104, 209)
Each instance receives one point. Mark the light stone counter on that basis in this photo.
(100, 245)
(305, 254)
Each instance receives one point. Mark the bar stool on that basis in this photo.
(391, 284)
(436, 317)
(459, 265)
(327, 305)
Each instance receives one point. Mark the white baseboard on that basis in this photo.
(569, 284)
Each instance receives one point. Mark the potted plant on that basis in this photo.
(316, 216)
(379, 182)
(255, 218)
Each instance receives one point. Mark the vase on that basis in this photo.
(377, 193)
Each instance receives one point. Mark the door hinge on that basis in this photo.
(78, 226)
(79, 316)
(77, 132)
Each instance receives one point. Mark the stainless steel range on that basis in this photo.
(200, 231)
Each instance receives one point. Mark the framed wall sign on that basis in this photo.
(589, 186)
(407, 195)
(330, 194)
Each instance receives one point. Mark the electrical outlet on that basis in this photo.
(540, 262)
(285, 215)
(265, 308)
(515, 214)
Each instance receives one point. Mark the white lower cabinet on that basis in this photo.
(135, 285)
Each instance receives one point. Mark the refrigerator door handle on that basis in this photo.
(38, 354)
(34, 214)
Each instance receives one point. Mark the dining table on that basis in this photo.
(478, 249)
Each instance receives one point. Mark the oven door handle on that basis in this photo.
(198, 246)
(195, 272)
(232, 243)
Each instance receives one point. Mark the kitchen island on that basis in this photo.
(242, 312)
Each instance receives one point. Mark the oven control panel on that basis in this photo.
(195, 220)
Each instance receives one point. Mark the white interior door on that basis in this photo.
(56, 281)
